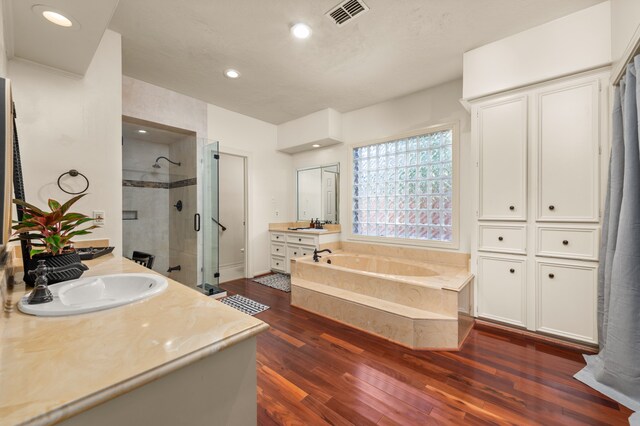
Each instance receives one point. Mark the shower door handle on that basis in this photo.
(196, 222)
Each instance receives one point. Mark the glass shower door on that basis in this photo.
(209, 221)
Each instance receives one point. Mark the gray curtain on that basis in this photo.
(615, 370)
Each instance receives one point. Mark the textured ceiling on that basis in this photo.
(397, 48)
(30, 36)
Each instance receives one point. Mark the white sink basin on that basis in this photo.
(96, 293)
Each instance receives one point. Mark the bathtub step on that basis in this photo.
(373, 302)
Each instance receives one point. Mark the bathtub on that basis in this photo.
(419, 304)
(378, 265)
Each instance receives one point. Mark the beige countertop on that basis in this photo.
(284, 227)
(53, 368)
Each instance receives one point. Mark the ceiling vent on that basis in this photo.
(347, 11)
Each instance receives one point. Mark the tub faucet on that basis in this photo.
(316, 258)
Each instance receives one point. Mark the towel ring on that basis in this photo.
(73, 173)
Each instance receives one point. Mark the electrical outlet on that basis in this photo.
(277, 213)
(98, 217)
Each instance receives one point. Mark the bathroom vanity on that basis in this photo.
(177, 355)
(286, 244)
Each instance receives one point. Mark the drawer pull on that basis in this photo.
(295, 253)
(512, 208)
(552, 276)
(277, 237)
(513, 271)
(565, 242)
(300, 239)
(277, 249)
(552, 207)
(500, 238)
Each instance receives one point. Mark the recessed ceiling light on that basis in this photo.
(301, 30)
(142, 131)
(315, 145)
(231, 73)
(57, 18)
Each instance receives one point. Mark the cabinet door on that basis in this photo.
(568, 152)
(502, 147)
(567, 302)
(501, 289)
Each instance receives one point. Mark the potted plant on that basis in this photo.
(49, 237)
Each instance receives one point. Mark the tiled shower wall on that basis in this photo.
(145, 190)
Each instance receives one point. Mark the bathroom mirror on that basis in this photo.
(318, 193)
(6, 159)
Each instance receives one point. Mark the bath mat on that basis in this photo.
(243, 304)
(277, 281)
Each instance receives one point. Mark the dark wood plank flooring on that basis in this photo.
(314, 371)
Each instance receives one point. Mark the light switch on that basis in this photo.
(98, 217)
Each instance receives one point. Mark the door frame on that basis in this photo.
(246, 156)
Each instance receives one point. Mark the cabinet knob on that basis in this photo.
(512, 208)
(565, 242)
(552, 276)
(500, 238)
(277, 249)
(295, 253)
(299, 239)
(513, 271)
(552, 207)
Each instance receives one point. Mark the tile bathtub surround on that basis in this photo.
(428, 310)
(152, 334)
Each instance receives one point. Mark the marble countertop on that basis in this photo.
(284, 227)
(53, 368)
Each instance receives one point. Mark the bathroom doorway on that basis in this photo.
(232, 238)
(159, 198)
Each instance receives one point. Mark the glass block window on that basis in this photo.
(404, 188)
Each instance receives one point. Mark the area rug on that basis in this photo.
(277, 281)
(243, 304)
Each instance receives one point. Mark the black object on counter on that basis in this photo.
(93, 252)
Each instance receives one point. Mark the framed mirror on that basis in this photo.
(6, 159)
(318, 193)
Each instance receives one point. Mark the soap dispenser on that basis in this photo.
(312, 224)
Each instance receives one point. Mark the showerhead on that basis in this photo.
(157, 166)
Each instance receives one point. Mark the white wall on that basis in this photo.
(3, 46)
(625, 27)
(270, 177)
(567, 45)
(429, 107)
(65, 122)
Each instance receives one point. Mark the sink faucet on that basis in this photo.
(41, 292)
(316, 258)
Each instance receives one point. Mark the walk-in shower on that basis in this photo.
(163, 202)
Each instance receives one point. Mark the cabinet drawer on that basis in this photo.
(503, 238)
(278, 249)
(501, 289)
(278, 236)
(307, 240)
(567, 300)
(570, 243)
(298, 251)
(278, 263)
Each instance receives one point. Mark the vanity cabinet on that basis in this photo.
(538, 150)
(287, 245)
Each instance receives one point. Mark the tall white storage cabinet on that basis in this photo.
(539, 163)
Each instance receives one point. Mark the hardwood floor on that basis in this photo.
(313, 371)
